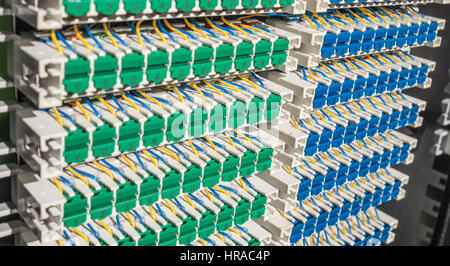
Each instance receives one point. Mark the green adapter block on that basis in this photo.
(230, 4)
(153, 131)
(107, 7)
(135, 6)
(248, 163)
(133, 60)
(224, 55)
(263, 46)
(261, 60)
(125, 242)
(242, 62)
(268, 3)
(168, 235)
(273, 104)
(278, 58)
(264, 159)
(225, 217)
(230, 168)
(103, 143)
(242, 211)
(161, 5)
(203, 53)
(76, 146)
(76, 79)
(197, 126)
(77, 7)
(78, 65)
(217, 118)
(75, 210)
(258, 206)
(105, 72)
(249, 3)
(156, 67)
(180, 70)
(192, 179)
(126, 196)
(237, 114)
(211, 173)
(207, 224)
(132, 76)
(281, 44)
(181, 55)
(244, 48)
(101, 203)
(188, 232)
(129, 135)
(176, 126)
(208, 4)
(202, 67)
(171, 185)
(255, 110)
(149, 190)
(184, 5)
(286, 2)
(148, 238)
(253, 242)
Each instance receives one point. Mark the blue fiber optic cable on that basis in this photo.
(139, 217)
(68, 117)
(85, 174)
(112, 167)
(157, 156)
(203, 28)
(248, 183)
(88, 31)
(166, 31)
(179, 151)
(66, 235)
(229, 189)
(97, 114)
(160, 211)
(216, 194)
(67, 181)
(235, 84)
(117, 103)
(93, 231)
(134, 30)
(61, 37)
(119, 225)
(259, 80)
(198, 147)
(185, 94)
(179, 204)
(137, 100)
(118, 38)
(140, 161)
(196, 199)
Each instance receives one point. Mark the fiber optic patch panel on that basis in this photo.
(366, 76)
(332, 127)
(335, 167)
(315, 213)
(121, 57)
(169, 222)
(106, 126)
(368, 230)
(325, 5)
(347, 32)
(54, 14)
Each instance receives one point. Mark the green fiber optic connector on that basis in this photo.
(263, 46)
(188, 232)
(273, 104)
(181, 55)
(176, 126)
(156, 67)
(207, 224)
(261, 60)
(211, 173)
(107, 7)
(264, 159)
(149, 190)
(161, 5)
(249, 3)
(135, 6)
(287, 2)
(192, 179)
(76, 73)
(243, 59)
(255, 110)
(217, 118)
(223, 61)
(103, 141)
(225, 217)
(171, 185)
(237, 114)
(101, 206)
(75, 210)
(132, 77)
(153, 131)
(281, 44)
(133, 60)
(230, 168)
(278, 58)
(77, 8)
(129, 135)
(148, 238)
(184, 5)
(268, 3)
(180, 70)
(208, 4)
(258, 206)
(248, 163)
(105, 72)
(197, 125)
(125, 242)
(76, 146)
(204, 52)
(168, 235)
(253, 242)
(230, 4)
(126, 196)
(202, 67)
(242, 213)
